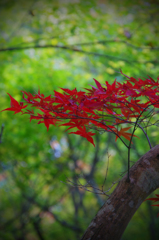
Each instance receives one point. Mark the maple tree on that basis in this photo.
(115, 108)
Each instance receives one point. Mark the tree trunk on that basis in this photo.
(114, 216)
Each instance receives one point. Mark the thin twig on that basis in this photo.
(2, 128)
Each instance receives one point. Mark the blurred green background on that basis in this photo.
(51, 44)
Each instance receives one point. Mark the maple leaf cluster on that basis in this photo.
(102, 107)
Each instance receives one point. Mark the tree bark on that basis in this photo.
(114, 216)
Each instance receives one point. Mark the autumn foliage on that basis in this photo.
(115, 108)
(104, 107)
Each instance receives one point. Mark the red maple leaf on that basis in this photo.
(15, 106)
(83, 133)
(123, 133)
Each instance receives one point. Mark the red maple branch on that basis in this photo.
(102, 107)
